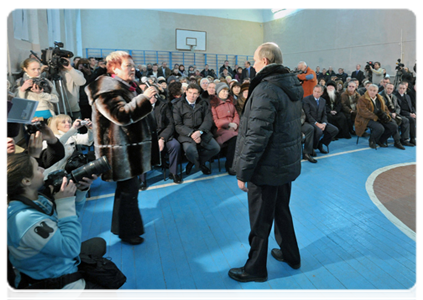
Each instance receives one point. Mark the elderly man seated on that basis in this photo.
(373, 113)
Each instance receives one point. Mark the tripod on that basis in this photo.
(63, 105)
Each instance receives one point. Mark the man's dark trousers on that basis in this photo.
(265, 204)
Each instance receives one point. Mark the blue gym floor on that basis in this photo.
(195, 232)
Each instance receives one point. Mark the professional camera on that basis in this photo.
(95, 167)
(399, 65)
(42, 84)
(34, 127)
(383, 116)
(416, 67)
(55, 58)
(368, 65)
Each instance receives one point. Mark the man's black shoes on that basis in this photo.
(372, 143)
(240, 275)
(277, 254)
(176, 178)
(407, 143)
(205, 170)
(309, 158)
(382, 145)
(143, 185)
(133, 241)
(188, 168)
(320, 147)
(399, 145)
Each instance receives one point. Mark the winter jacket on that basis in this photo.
(188, 120)
(43, 246)
(224, 112)
(122, 132)
(268, 150)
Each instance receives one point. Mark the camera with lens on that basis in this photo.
(383, 116)
(399, 65)
(34, 127)
(368, 65)
(42, 84)
(55, 58)
(95, 167)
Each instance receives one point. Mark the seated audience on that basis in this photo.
(308, 131)
(243, 95)
(226, 119)
(373, 113)
(349, 100)
(391, 101)
(33, 87)
(211, 91)
(235, 91)
(407, 109)
(238, 74)
(193, 122)
(334, 112)
(175, 92)
(314, 108)
(204, 82)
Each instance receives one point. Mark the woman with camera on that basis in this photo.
(31, 86)
(67, 133)
(44, 236)
(126, 137)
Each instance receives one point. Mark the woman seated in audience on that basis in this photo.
(211, 91)
(238, 74)
(33, 87)
(226, 119)
(228, 79)
(182, 71)
(44, 239)
(235, 91)
(67, 133)
(242, 98)
(175, 92)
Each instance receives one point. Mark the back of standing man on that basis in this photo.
(268, 159)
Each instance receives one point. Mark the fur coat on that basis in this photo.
(365, 112)
(122, 129)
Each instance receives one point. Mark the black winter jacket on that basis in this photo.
(268, 150)
(188, 120)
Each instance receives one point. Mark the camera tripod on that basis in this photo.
(63, 105)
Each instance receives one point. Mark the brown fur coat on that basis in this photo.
(122, 130)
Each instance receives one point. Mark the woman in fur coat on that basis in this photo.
(123, 133)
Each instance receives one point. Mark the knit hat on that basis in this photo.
(332, 83)
(245, 86)
(220, 86)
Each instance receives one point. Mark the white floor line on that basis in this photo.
(369, 187)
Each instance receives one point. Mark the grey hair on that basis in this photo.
(303, 63)
(272, 52)
(373, 85)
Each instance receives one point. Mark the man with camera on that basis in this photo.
(377, 72)
(373, 113)
(391, 102)
(72, 80)
(407, 109)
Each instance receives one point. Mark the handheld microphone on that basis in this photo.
(145, 80)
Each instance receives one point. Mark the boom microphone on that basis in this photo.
(145, 80)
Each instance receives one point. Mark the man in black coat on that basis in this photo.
(407, 110)
(193, 122)
(358, 74)
(248, 72)
(315, 109)
(163, 125)
(268, 159)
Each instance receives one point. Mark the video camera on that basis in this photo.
(95, 167)
(368, 65)
(55, 58)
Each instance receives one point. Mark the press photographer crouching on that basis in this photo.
(67, 133)
(44, 234)
(373, 113)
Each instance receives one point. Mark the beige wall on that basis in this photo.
(155, 30)
(343, 38)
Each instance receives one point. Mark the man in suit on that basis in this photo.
(248, 72)
(267, 160)
(315, 109)
(407, 110)
(358, 74)
(164, 70)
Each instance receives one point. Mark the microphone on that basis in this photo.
(145, 80)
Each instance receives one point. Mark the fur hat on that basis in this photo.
(245, 86)
(220, 86)
(332, 83)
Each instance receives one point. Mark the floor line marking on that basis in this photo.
(391, 217)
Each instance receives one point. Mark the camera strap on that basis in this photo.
(31, 203)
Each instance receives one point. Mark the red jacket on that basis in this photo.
(309, 81)
(224, 112)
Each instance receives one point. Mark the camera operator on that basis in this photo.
(44, 236)
(72, 80)
(68, 135)
(373, 113)
(31, 86)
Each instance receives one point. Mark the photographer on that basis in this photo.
(373, 113)
(72, 80)
(44, 237)
(31, 86)
(377, 72)
(68, 135)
